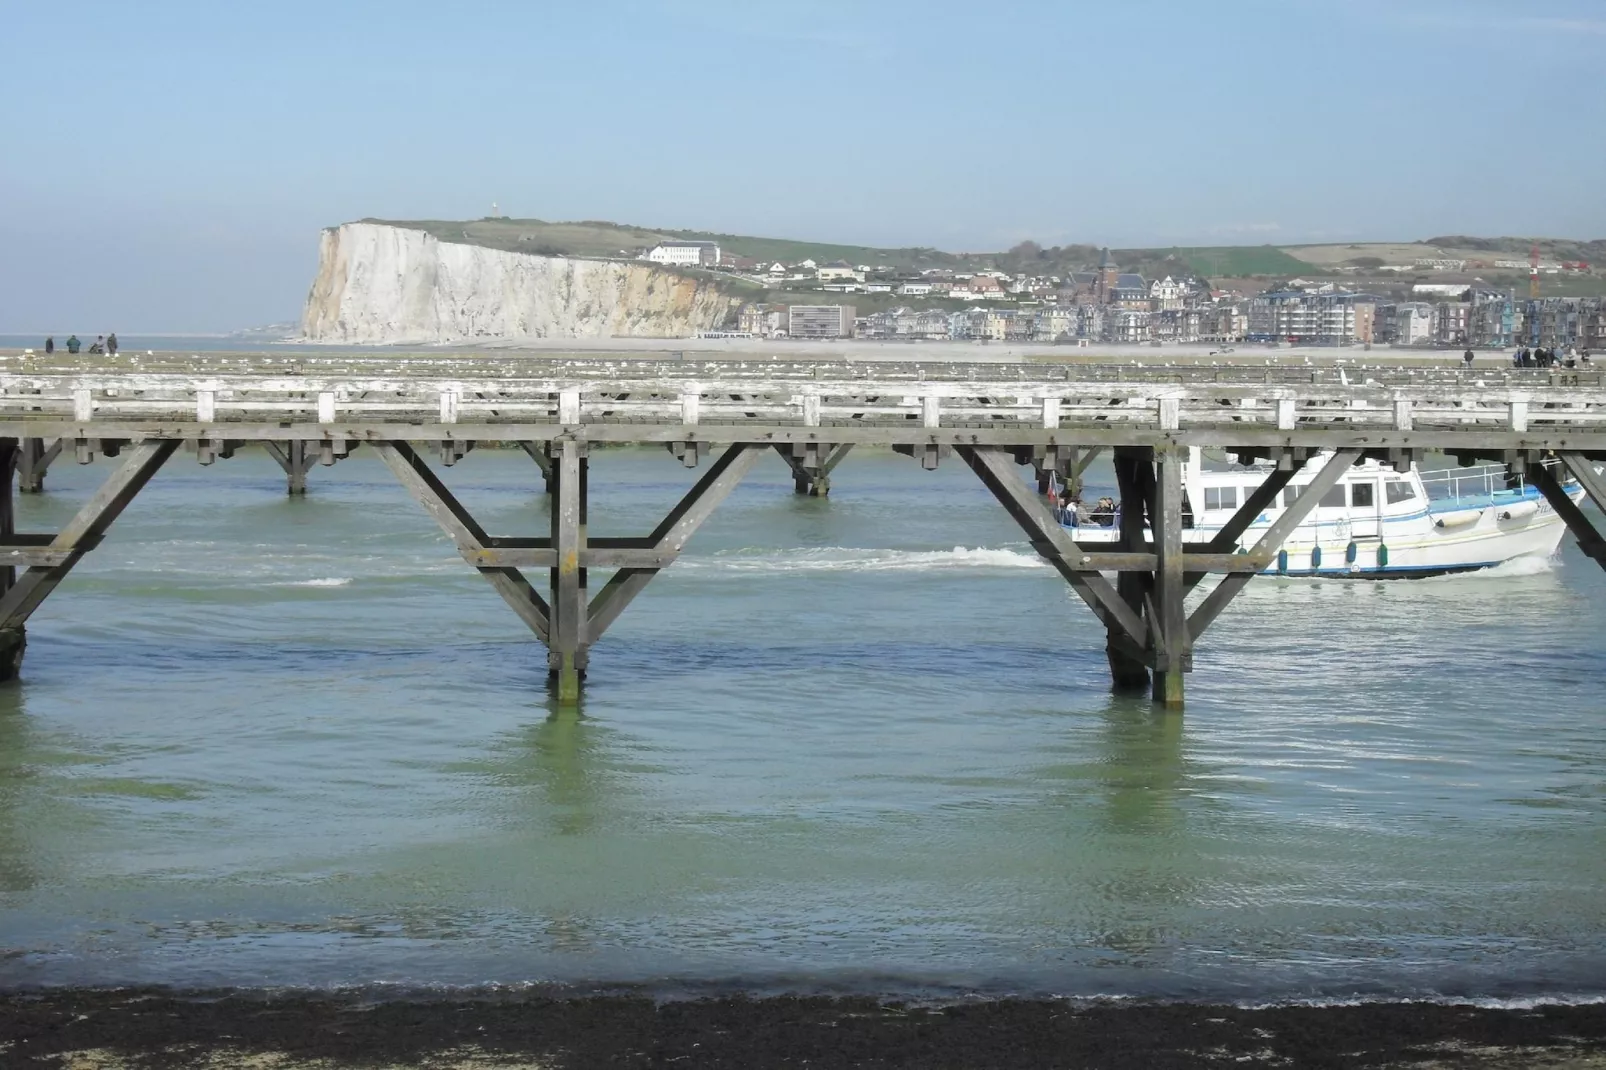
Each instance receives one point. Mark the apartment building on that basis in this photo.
(820, 321)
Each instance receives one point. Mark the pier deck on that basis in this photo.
(992, 416)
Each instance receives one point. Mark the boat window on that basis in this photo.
(1221, 497)
(1363, 495)
(1333, 499)
(1289, 494)
(1398, 490)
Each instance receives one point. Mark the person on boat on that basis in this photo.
(73, 344)
(50, 344)
(1104, 512)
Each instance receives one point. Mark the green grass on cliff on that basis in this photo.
(596, 238)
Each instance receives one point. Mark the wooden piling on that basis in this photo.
(1134, 476)
(296, 461)
(13, 640)
(33, 459)
(568, 648)
(1168, 624)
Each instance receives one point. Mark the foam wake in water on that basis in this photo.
(1516, 567)
(848, 559)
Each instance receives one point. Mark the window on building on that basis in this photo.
(1221, 497)
(1398, 490)
(1363, 495)
(1333, 499)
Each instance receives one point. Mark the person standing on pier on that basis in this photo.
(50, 345)
(1467, 356)
(111, 344)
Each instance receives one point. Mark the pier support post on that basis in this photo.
(568, 645)
(13, 641)
(811, 464)
(1134, 477)
(1173, 647)
(569, 624)
(296, 460)
(32, 461)
(1143, 612)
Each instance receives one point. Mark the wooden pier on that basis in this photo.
(990, 417)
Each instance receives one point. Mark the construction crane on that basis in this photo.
(1533, 272)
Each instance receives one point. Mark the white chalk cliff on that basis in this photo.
(379, 284)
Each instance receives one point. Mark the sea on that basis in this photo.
(862, 744)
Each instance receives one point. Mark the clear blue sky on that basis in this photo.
(167, 166)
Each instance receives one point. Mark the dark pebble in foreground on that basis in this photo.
(102, 1029)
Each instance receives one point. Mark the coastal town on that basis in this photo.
(1107, 304)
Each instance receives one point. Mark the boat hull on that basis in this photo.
(1409, 547)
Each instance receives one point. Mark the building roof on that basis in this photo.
(1106, 262)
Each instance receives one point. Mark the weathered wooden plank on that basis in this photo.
(568, 640)
(1173, 645)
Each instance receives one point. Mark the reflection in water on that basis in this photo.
(561, 758)
(1142, 768)
(16, 871)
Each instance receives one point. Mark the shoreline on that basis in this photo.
(101, 1029)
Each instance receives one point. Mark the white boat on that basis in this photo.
(1375, 523)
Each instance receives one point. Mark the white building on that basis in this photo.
(1167, 294)
(839, 270)
(915, 289)
(685, 253)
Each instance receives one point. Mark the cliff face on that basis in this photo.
(378, 284)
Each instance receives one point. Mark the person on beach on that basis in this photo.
(111, 344)
(50, 344)
(73, 344)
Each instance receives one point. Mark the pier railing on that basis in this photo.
(757, 403)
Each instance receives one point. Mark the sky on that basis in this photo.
(167, 166)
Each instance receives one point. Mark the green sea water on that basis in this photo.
(857, 744)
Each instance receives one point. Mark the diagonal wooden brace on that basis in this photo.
(995, 467)
(1590, 540)
(85, 529)
(672, 534)
(415, 475)
(1226, 540)
(1272, 540)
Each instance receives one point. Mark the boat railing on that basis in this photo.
(1478, 482)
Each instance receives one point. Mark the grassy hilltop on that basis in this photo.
(1353, 260)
